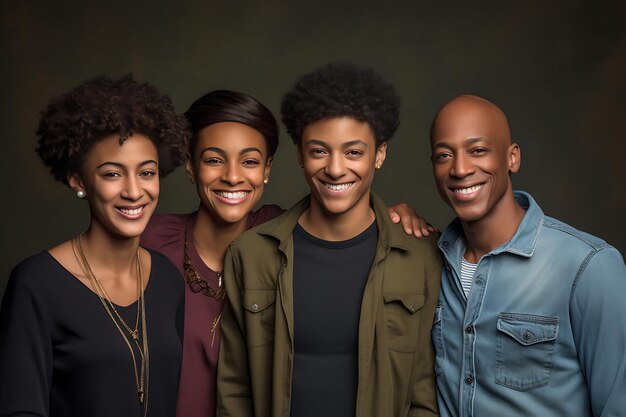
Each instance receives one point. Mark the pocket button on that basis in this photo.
(254, 307)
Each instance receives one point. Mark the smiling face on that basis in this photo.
(121, 183)
(229, 165)
(339, 158)
(472, 156)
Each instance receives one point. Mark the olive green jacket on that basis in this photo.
(396, 358)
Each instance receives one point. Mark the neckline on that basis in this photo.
(371, 230)
(75, 279)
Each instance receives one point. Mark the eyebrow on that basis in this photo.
(344, 145)
(122, 166)
(469, 141)
(223, 153)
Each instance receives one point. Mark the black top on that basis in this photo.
(61, 354)
(329, 279)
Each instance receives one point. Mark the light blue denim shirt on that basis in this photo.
(543, 330)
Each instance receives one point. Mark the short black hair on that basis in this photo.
(231, 106)
(340, 90)
(74, 122)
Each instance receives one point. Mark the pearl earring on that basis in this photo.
(80, 194)
(265, 181)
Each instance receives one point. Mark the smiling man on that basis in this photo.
(330, 305)
(531, 319)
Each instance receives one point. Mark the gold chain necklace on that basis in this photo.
(142, 376)
(197, 284)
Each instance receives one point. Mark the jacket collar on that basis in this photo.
(390, 235)
(523, 242)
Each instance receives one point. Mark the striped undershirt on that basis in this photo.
(468, 270)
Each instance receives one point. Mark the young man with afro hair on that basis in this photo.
(329, 306)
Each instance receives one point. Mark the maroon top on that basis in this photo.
(166, 234)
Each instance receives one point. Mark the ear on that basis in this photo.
(381, 155)
(515, 158)
(75, 182)
(189, 167)
(268, 168)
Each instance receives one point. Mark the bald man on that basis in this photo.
(531, 319)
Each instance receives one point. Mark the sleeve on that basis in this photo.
(234, 397)
(424, 400)
(598, 315)
(25, 350)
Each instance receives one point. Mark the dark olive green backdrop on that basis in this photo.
(557, 68)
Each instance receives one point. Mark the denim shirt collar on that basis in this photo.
(523, 242)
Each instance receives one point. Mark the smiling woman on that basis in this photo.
(93, 326)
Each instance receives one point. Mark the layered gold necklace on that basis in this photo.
(197, 284)
(141, 374)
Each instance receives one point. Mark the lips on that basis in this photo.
(467, 193)
(231, 197)
(131, 213)
(338, 187)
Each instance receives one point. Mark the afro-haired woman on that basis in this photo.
(93, 327)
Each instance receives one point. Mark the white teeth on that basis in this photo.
(132, 212)
(339, 187)
(468, 190)
(239, 194)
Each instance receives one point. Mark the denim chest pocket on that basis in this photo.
(260, 315)
(437, 335)
(525, 350)
(402, 315)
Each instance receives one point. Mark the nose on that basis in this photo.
(336, 167)
(132, 188)
(462, 166)
(232, 173)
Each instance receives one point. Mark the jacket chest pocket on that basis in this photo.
(525, 350)
(402, 320)
(259, 305)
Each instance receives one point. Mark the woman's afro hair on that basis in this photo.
(342, 90)
(74, 122)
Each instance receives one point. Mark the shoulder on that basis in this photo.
(34, 277)
(165, 230)
(165, 271)
(567, 241)
(264, 214)
(161, 263)
(592, 255)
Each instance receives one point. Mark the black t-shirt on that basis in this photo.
(61, 355)
(329, 279)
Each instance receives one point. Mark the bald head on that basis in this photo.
(471, 116)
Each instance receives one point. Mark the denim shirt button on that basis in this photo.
(469, 380)
(469, 329)
(445, 243)
(527, 335)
